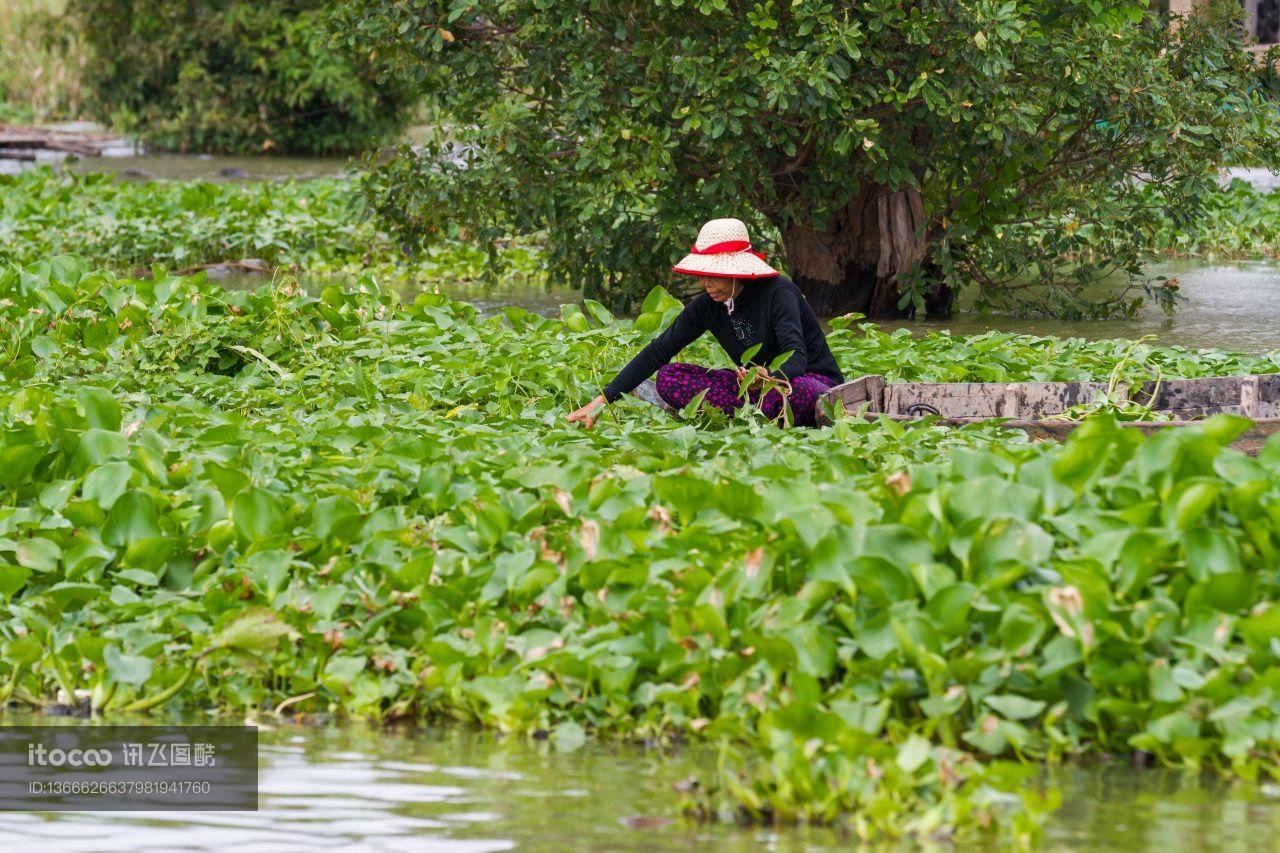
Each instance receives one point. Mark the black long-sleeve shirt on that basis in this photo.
(771, 312)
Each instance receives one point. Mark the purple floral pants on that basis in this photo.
(679, 383)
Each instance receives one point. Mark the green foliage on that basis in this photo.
(619, 129)
(233, 76)
(40, 77)
(127, 225)
(228, 499)
(900, 356)
(1239, 222)
(311, 225)
(1129, 372)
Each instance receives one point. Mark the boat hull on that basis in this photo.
(1036, 407)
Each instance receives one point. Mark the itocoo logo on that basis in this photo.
(38, 756)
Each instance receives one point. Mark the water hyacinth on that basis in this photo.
(342, 503)
(308, 224)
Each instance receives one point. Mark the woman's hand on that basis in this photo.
(758, 381)
(587, 414)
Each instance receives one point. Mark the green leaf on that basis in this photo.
(1140, 557)
(1225, 428)
(1210, 552)
(598, 312)
(1229, 593)
(881, 580)
(55, 495)
(17, 463)
(100, 408)
(138, 576)
(106, 483)
(914, 753)
(1020, 629)
(950, 607)
(12, 579)
(1193, 502)
(133, 670)
(45, 347)
(257, 515)
(691, 408)
(22, 651)
(99, 445)
(1013, 707)
(1006, 549)
(343, 669)
(253, 630)
(1163, 687)
(39, 555)
(132, 517)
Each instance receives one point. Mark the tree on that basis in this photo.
(233, 76)
(893, 149)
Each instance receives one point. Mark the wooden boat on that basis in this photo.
(1031, 406)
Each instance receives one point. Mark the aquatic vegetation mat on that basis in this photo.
(312, 226)
(1236, 223)
(274, 502)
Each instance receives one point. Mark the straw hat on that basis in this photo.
(723, 251)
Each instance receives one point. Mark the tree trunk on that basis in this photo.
(854, 264)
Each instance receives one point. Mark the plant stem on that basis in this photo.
(164, 695)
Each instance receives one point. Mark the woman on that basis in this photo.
(745, 302)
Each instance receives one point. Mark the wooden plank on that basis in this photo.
(1186, 400)
(864, 389)
(1250, 442)
(1208, 393)
(1269, 395)
(946, 399)
(1011, 406)
(44, 139)
(990, 399)
(1199, 413)
(1041, 399)
(1249, 396)
(1269, 387)
(852, 394)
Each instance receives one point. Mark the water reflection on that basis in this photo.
(1120, 808)
(1228, 306)
(463, 791)
(487, 300)
(355, 788)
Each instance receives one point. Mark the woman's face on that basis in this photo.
(720, 289)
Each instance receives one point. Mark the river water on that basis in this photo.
(1231, 306)
(463, 791)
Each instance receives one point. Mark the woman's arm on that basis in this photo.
(684, 330)
(785, 316)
